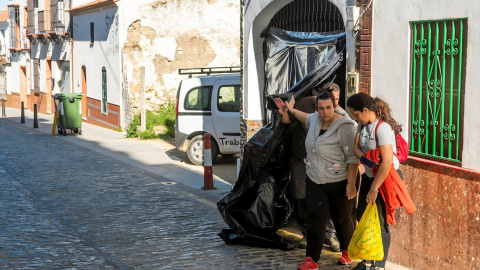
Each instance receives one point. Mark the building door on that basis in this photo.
(313, 16)
(23, 85)
(84, 92)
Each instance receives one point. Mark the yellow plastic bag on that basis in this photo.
(366, 243)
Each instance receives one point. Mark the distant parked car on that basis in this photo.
(209, 103)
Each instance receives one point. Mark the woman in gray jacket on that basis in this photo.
(331, 172)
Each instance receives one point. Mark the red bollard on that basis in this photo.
(207, 163)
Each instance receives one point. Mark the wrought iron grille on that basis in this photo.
(309, 16)
(104, 91)
(437, 89)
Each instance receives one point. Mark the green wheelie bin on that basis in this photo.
(69, 112)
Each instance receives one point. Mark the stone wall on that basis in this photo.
(170, 35)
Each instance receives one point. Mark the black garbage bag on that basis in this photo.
(257, 205)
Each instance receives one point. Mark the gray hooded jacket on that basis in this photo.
(328, 155)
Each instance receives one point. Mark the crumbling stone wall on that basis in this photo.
(177, 34)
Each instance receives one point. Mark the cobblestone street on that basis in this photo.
(63, 206)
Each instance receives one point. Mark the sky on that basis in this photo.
(3, 4)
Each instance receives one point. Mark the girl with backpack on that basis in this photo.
(376, 129)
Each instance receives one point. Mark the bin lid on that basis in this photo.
(67, 95)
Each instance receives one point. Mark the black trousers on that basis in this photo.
(321, 199)
(382, 214)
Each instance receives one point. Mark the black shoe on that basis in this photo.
(362, 266)
(333, 244)
(303, 244)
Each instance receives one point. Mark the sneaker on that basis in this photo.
(344, 259)
(308, 264)
(333, 244)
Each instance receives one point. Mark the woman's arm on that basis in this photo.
(351, 178)
(282, 110)
(386, 154)
(357, 150)
(299, 115)
(347, 138)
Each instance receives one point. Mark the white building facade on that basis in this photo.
(97, 68)
(4, 52)
(424, 64)
(18, 78)
(48, 30)
(161, 36)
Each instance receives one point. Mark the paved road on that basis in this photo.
(65, 206)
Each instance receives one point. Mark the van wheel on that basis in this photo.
(195, 150)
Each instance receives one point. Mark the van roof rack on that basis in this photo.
(208, 70)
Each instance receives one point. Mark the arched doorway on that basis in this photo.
(313, 16)
(84, 92)
(308, 16)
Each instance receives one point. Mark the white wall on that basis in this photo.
(60, 51)
(4, 41)
(257, 15)
(391, 60)
(18, 59)
(163, 26)
(104, 52)
(77, 3)
(13, 75)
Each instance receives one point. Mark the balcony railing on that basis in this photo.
(53, 20)
(44, 24)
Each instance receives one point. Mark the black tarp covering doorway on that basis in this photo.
(257, 205)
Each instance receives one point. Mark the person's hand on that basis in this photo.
(282, 107)
(361, 169)
(351, 191)
(290, 104)
(372, 196)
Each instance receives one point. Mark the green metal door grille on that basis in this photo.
(437, 89)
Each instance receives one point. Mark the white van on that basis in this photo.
(209, 103)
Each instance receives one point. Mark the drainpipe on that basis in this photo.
(71, 54)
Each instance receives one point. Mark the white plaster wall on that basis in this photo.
(6, 52)
(19, 59)
(257, 15)
(218, 22)
(13, 77)
(77, 3)
(391, 60)
(103, 53)
(60, 51)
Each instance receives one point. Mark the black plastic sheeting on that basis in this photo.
(257, 205)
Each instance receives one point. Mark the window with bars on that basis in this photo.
(36, 75)
(104, 91)
(437, 88)
(14, 15)
(92, 33)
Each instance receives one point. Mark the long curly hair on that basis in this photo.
(377, 105)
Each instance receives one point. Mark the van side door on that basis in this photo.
(226, 115)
